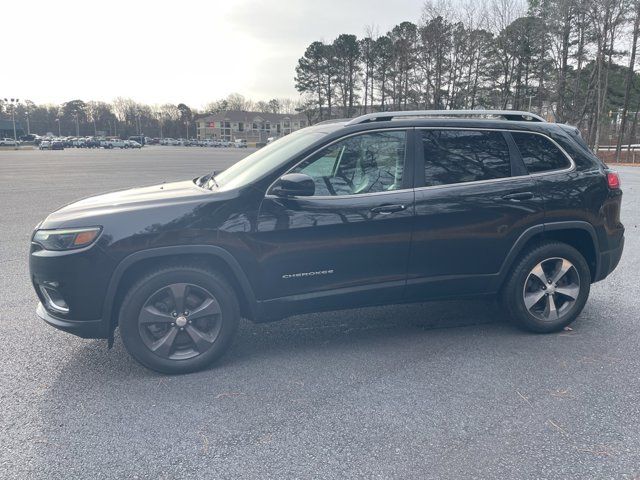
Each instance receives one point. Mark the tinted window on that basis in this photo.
(367, 163)
(539, 153)
(457, 156)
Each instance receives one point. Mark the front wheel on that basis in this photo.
(179, 319)
(548, 288)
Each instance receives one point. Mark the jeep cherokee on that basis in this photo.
(385, 208)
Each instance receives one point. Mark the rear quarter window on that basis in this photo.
(540, 154)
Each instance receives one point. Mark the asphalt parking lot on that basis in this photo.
(439, 390)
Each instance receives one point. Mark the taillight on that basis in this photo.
(613, 180)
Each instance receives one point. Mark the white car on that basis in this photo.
(117, 143)
(114, 143)
(5, 142)
(132, 144)
(45, 145)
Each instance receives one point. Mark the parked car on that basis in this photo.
(240, 143)
(132, 144)
(114, 143)
(57, 145)
(9, 142)
(386, 208)
(92, 142)
(44, 145)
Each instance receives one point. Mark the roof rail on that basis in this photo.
(513, 115)
(332, 120)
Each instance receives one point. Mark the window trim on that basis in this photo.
(408, 181)
(514, 155)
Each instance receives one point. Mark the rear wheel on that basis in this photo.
(179, 319)
(547, 288)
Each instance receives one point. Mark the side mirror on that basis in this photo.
(294, 185)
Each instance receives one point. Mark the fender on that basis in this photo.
(530, 232)
(212, 250)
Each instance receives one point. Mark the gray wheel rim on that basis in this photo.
(180, 321)
(551, 289)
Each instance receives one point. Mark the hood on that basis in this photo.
(175, 193)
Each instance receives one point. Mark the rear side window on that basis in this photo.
(539, 154)
(458, 156)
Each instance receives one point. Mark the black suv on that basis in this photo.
(385, 208)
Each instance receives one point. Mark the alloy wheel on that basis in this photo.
(180, 321)
(551, 289)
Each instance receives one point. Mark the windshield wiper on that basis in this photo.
(205, 179)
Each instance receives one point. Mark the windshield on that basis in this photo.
(264, 160)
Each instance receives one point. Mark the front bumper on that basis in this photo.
(77, 282)
(81, 328)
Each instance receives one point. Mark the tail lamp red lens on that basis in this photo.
(613, 180)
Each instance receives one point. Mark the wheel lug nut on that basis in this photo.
(186, 312)
(175, 314)
(173, 324)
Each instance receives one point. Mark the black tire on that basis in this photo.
(138, 336)
(553, 311)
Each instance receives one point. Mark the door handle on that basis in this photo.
(387, 209)
(518, 196)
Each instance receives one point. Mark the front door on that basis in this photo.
(349, 243)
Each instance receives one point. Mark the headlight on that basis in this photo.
(66, 238)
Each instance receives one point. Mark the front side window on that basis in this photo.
(263, 161)
(367, 163)
(539, 154)
(459, 156)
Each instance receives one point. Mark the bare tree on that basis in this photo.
(630, 77)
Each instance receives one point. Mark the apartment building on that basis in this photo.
(250, 126)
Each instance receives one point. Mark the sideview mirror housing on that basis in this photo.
(294, 185)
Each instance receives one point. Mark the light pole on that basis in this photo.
(58, 122)
(28, 125)
(138, 122)
(13, 102)
(75, 117)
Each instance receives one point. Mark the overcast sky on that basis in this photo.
(186, 51)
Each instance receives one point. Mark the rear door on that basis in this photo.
(473, 201)
(349, 243)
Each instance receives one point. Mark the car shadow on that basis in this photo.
(354, 328)
(359, 328)
(96, 390)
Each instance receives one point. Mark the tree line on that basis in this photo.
(573, 60)
(124, 117)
